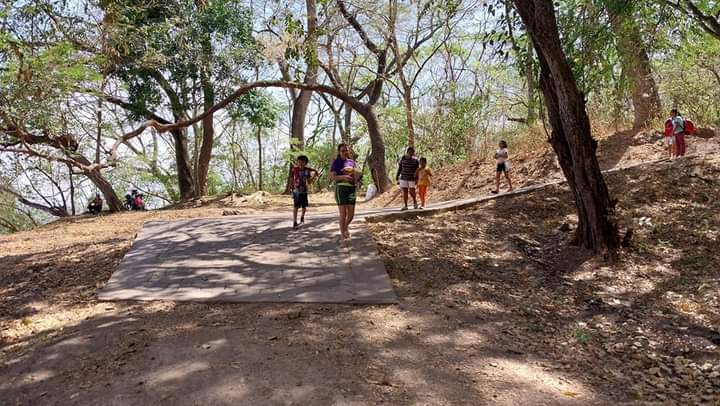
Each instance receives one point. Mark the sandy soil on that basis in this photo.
(495, 308)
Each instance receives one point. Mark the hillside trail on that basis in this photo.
(494, 307)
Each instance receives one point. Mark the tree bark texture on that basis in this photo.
(208, 140)
(636, 63)
(185, 177)
(300, 106)
(531, 85)
(376, 159)
(571, 137)
(258, 134)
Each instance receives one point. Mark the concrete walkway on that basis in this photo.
(261, 259)
(251, 259)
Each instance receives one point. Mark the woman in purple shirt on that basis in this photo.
(345, 174)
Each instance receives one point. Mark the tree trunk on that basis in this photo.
(208, 140)
(376, 159)
(260, 158)
(72, 190)
(636, 63)
(302, 102)
(345, 135)
(407, 99)
(530, 75)
(571, 138)
(111, 198)
(186, 182)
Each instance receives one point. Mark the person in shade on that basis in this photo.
(344, 172)
(406, 176)
(302, 175)
(95, 206)
(678, 133)
(503, 166)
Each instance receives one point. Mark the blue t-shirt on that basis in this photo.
(344, 167)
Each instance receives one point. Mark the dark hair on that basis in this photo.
(503, 144)
(410, 149)
(423, 159)
(303, 158)
(339, 147)
(675, 111)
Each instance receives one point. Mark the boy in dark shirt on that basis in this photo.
(302, 177)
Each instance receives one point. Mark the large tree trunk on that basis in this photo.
(636, 63)
(111, 198)
(376, 159)
(302, 101)
(531, 85)
(208, 140)
(185, 177)
(571, 138)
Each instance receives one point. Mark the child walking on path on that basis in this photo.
(501, 156)
(302, 177)
(424, 177)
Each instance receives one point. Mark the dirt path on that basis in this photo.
(495, 308)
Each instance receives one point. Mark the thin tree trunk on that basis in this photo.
(407, 99)
(636, 63)
(99, 131)
(571, 138)
(346, 135)
(72, 190)
(260, 158)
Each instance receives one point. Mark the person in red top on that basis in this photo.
(302, 176)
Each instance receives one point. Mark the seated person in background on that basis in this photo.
(138, 203)
(95, 206)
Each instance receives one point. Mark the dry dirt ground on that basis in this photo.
(538, 165)
(495, 308)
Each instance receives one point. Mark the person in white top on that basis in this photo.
(503, 166)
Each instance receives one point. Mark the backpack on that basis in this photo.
(688, 127)
(668, 127)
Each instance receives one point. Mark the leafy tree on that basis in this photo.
(179, 56)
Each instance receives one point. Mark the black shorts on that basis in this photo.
(501, 167)
(300, 200)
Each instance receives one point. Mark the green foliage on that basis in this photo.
(691, 78)
(37, 83)
(257, 108)
(174, 40)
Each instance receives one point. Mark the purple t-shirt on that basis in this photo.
(344, 167)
